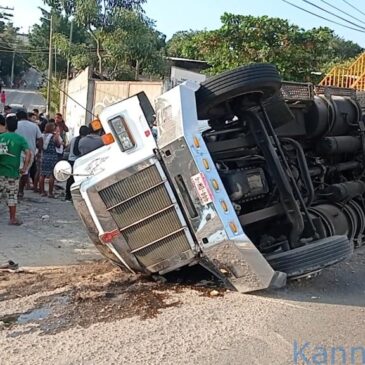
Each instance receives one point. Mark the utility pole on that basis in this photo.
(12, 70)
(68, 59)
(55, 61)
(49, 84)
(67, 71)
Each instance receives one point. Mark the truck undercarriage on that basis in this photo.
(255, 179)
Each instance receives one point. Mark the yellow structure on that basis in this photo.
(351, 77)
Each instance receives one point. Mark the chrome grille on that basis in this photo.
(141, 206)
(153, 228)
(129, 187)
(164, 249)
(144, 212)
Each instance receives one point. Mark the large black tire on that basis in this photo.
(312, 257)
(260, 77)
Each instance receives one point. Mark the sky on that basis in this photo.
(174, 15)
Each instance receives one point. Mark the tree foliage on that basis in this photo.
(39, 43)
(4, 18)
(125, 40)
(246, 39)
(8, 43)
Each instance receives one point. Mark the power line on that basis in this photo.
(322, 17)
(56, 86)
(335, 15)
(342, 11)
(353, 6)
(11, 50)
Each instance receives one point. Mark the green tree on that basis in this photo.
(9, 43)
(4, 18)
(133, 47)
(96, 16)
(297, 53)
(39, 43)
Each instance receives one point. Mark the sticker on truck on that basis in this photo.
(202, 188)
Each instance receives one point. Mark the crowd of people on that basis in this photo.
(30, 147)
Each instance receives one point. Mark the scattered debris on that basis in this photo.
(89, 293)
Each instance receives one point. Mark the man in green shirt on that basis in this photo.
(11, 147)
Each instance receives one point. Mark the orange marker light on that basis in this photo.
(96, 125)
(206, 164)
(233, 227)
(196, 142)
(108, 138)
(215, 184)
(224, 206)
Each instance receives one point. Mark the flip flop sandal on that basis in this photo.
(16, 223)
(10, 265)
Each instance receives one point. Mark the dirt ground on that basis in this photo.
(94, 313)
(51, 233)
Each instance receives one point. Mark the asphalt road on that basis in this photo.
(29, 98)
(311, 321)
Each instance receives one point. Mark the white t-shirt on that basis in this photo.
(30, 132)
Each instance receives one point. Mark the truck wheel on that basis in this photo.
(312, 257)
(260, 77)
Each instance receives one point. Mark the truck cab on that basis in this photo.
(234, 180)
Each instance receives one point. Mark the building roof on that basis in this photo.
(188, 63)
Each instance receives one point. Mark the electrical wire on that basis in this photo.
(322, 17)
(32, 52)
(353, 6)
(335, 15)
(342, 11)
(56, 86)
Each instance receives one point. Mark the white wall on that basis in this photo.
(75, 115)
(179, 75)
(110, 92)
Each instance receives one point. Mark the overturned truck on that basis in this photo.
(256, 179)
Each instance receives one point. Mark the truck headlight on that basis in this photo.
(124, 137)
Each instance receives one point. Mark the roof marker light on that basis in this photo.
(206, 164)
(233, 227)
(224, 206)
(215, 184)
(196, 142)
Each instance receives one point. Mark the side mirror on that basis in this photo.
(62, 171)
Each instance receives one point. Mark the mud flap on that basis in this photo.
(241, 267)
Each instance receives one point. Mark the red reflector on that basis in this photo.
(108, 236)
(147, 133)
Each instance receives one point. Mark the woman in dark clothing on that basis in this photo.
(51, 140)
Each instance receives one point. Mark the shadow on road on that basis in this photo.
(342, 284)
